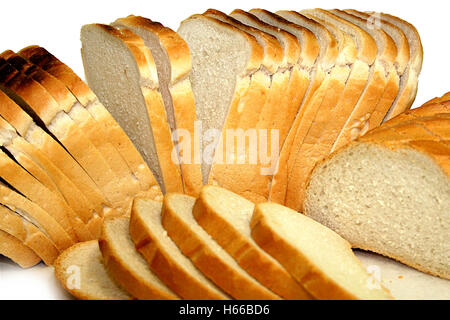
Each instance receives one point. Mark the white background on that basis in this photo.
(55, 25)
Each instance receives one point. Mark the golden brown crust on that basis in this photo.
(125, 275)
(237, 283)
(14, 249)
(28, 234)
(87, 98)
(249, 256)
(162, 263)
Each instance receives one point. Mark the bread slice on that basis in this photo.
(26, 232)
(81, 272)
(134, 100)
(339, 96)
(309, 251)
(81, 117)
(386, 56)
(15, 250)
(409, 84)
(164, 257)
(226, 217)
(127, 266)
(36, 215)
(40, 104)
(208, 256)
(173, 64)
(222, 81)
(403, 214)
(48, 62)
(243, 171)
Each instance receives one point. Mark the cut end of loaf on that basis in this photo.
(393, 202)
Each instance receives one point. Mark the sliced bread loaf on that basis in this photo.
(164, 257)
(221, 78)
(121, 71)
(30, 235)
(81, 272)
(173, 63)
(125, 264)
(15, 250)
(317, 257)
(48, 62)
(226, 217)
(205, 253)
(404, 213)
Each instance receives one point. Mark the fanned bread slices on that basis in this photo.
(317, 55)
(15, 250)
(409, 83)
(205, 253)
(222, 80)
(81, 272)
(403, 211)
(294, 90)
(164, 257)
(246, 172)
(226, 217)
(386, 57)
(41, 105)
(121, 71)
(336, 97)
(125, 264)
(35, 214)
(317, 257)
(81, 117)
(173, 63)
(403, 53)
(30, 235)
(112, 130)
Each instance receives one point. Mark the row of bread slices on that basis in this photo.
(65, 163)
(219, 246)
(320, 78)
(389, 192)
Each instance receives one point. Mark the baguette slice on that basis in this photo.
(205, 253)
(45, 60)
(226, 217)
(164, 257)
(134, 100)
(26, 232)
(222, 81)
(81, 272)
(127, 266)
(18, 252)
(173, 63)
(404, 213)
(317, 257)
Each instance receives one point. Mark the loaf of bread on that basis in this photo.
(388, 192)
